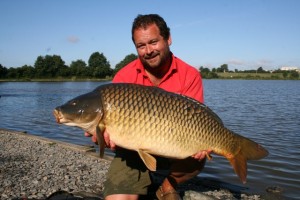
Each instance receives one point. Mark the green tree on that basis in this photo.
(285, 74)
(50, 66)
(294, 74)
(213, 75)
(78, 68)
(129, 58)
(99, 66)
(40, 68)
(204, 71)
(56, 66)
(223, 68)
(12, 73)
(260, 70)
(63, 71)
(3, 71)
(26, 71)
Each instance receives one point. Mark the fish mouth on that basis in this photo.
(58, 116)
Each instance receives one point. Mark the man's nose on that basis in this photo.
(149, 49)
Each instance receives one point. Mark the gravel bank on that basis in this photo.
(32, 167)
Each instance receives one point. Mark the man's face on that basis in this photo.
(151, 47)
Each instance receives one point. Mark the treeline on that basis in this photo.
(223, 69)
(98, 67)
(53, 66)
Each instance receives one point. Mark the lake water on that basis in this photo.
(266, 111)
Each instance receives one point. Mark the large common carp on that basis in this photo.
(150, 120)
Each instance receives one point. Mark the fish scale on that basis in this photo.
(176, 111)
(153, 121)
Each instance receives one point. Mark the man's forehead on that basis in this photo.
(146, 33)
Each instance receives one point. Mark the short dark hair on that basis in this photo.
(142, 21)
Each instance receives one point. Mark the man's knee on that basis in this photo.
(188, 165)
(183, 170)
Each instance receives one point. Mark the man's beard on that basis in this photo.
(162, 61)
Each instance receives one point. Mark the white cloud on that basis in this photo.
(264, 62)
(241, 64)
(73, 39)
(236, 62)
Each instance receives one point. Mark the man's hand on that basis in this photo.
(202, 154)
(94, 138)
(109, 144)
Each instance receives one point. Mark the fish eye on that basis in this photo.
(73, 103)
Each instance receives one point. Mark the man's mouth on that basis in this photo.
(151, 58)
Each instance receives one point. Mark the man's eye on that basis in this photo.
(141, 46)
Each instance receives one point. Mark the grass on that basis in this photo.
(264, 76)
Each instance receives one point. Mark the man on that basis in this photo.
(128, 177)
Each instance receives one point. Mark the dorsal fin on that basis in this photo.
(213, 114)
(205, 107)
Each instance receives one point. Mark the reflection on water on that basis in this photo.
(266, 111)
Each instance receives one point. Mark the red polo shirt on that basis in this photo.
(181, 78)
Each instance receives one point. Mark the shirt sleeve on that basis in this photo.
(194, 88)
(128, 74)
(118, 78)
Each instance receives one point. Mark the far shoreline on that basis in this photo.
(221, 76)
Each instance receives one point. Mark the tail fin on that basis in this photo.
(249, 150)
(239, 164)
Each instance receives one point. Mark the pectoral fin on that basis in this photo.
(148, 159)
(100, 139)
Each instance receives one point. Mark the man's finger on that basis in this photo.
(94, 139)
(203, 154)
(86, 134)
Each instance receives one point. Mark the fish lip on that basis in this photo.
(58, 116)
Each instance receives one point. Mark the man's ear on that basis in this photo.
(170, 40)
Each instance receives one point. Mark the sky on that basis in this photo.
(245, 34)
